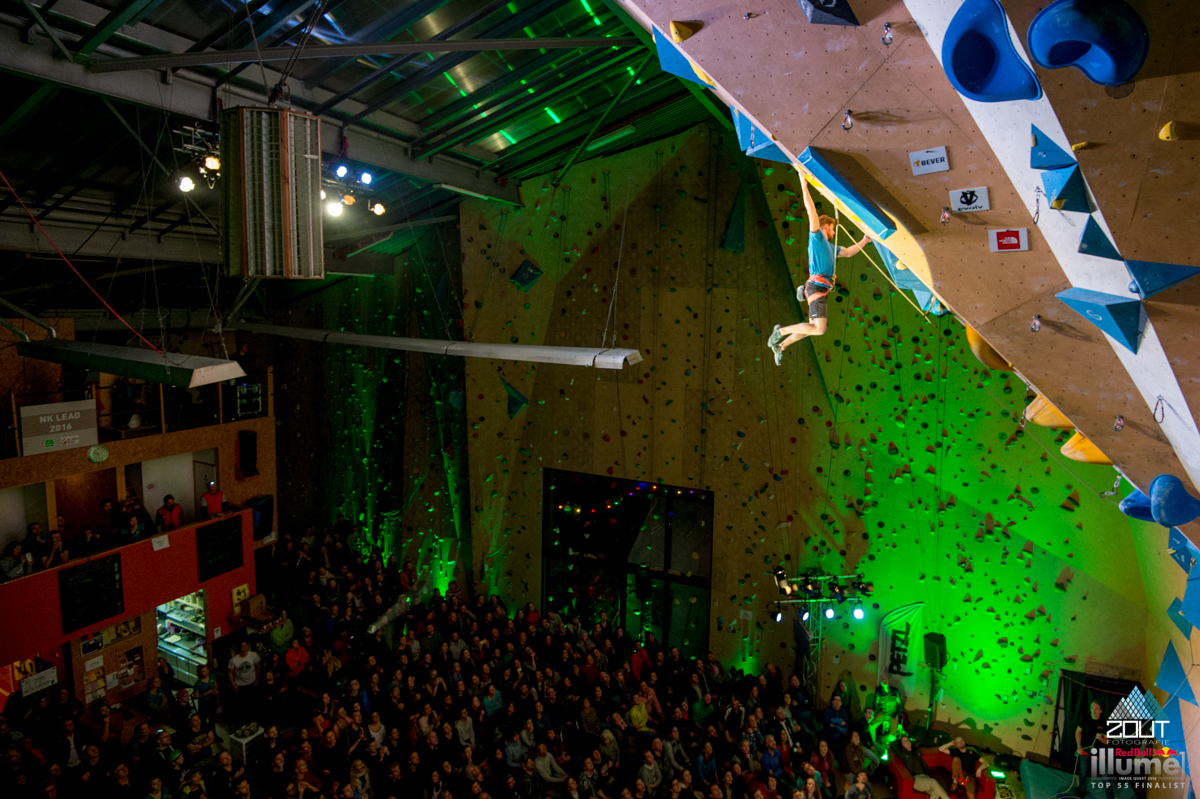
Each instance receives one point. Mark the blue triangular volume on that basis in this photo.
(1065, 189)
(769, 151)
(1174, 613)
(906, 279)
(516, 400)
(1182, 550)
(875, 220)
(1172, 678)
(1119, 317)
(671, 59)
(743, 126)
(1173, 732)
(1045, 154)
(1095, 242)
(1149, 277)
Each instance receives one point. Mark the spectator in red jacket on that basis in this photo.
(170, 515)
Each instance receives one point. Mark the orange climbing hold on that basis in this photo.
(1078, 448)
(986, 354)
(1041, 412)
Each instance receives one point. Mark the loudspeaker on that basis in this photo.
(643, 589)
(935, 651)
(247, 454)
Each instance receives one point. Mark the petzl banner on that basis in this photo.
(901, 648)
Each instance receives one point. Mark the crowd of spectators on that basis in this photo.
(457, 696)
(114, 526)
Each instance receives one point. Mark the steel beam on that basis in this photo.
(370, 149)
(192, 97)
(219, 57)
(51, 34)
(599, 358)
(512, 24)
(124, 14)
(477, 130)
(616, 101)
(391, 66)
(172, 368)
(42, 95)
(381, 30)
(272, 22)
(17, 235)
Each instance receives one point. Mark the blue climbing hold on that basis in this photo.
(1065, 189)
(1137, 506)
(1095, 242)
(1170, 503)
(1045, 154)
(906, 279)
(979, 57)
(1106, 40)
(1150, 278)
(1120, 317)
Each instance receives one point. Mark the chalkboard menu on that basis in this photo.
(91, 592)
(219, 547)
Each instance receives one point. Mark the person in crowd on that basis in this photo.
(966, 766)
(456, 695)
(55, 552)
(170, 515)
(904, 751)
(12, 564)
(212, 502)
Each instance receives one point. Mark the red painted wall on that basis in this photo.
(30, 617)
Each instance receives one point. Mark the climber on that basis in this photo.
(821, 254)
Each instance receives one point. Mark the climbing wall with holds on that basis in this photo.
(931, 488)
(631, 245)
(390, 454)
(883, 447)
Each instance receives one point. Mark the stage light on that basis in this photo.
(998, 774)
(186, 184)
(862, 586)
(334, 209)
(322, 194)
(340, 171)
(365, 177)
(805, 616)
(838, 592)
(212, 163)
(777, 615)
(378, 209)
(829, 613)
(781, 581)
(348, 199)
(858, 613)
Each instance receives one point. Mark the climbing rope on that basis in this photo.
(888, 278)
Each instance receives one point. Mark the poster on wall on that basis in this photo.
(60, 425)
(901, 645)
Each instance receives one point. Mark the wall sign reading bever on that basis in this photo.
(964, 201)
(924, 162)
(1012, 240)
(62, 425)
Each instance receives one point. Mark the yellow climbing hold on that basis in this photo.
(1041, 412)
(1083, 145)
(684, 30)
(1078, 448)
(1168, 132)
(986, 354)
